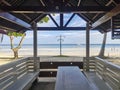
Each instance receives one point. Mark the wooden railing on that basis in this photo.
(11, 72)
(108, 72)
(49, 68)
(49, 64)
(91, 65)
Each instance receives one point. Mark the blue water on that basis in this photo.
(6, 46)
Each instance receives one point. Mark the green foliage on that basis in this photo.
(16, 34)
(53, 14)
(45, 19)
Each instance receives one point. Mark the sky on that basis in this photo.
(70, 37)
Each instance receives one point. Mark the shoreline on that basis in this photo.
(76, 51)
(73, 52)
(6, 60)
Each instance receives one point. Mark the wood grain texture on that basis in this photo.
(71, 78)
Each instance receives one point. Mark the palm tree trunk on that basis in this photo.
(102, 51)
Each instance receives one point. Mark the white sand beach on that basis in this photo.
(79, 52)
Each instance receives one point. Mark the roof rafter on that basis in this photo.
(60, 28)
(69, 20)
(53, 20)
(111, 1)
(56, 9)
(37, 18)
(5, 2)
(79, 3)
(13, 19)
(6, 28)
(107, 16)
(42, 2)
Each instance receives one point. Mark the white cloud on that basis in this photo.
(29, 35)
(44, 35)
(74, 34)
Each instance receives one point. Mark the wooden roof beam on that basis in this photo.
(79, 3)
(54, 21)
(37, 18)
(56, 9)
(60, 28)
(111, 1)
(15, 20)
(107, 16)
(6, 3)
(42, 2)
(8, 29)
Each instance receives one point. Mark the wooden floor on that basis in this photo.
(43, 86)
(96, 82)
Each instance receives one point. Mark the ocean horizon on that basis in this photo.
(112, 50)
(6, 46)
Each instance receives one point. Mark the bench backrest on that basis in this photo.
(13, 71)
(109, 72)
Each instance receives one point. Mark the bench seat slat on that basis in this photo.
(23, 83)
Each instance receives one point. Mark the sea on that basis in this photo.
(112, 50)
(7, 46)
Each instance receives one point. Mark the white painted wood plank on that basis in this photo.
(24, 82)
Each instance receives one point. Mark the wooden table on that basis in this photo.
(71, 78)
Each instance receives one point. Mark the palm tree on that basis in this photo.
(102, 51)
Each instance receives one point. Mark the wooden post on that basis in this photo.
(60, 45)
(36, 60)
(87, 45)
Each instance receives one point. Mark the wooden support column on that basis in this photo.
(87, 45)
(61, 20)
(36, 59)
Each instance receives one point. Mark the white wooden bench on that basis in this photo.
(71, 78)
(23, 83)
(17, 75)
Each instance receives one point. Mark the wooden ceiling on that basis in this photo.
(18, 15)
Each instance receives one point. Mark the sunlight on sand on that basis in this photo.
(5, 61)
(6, 56)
